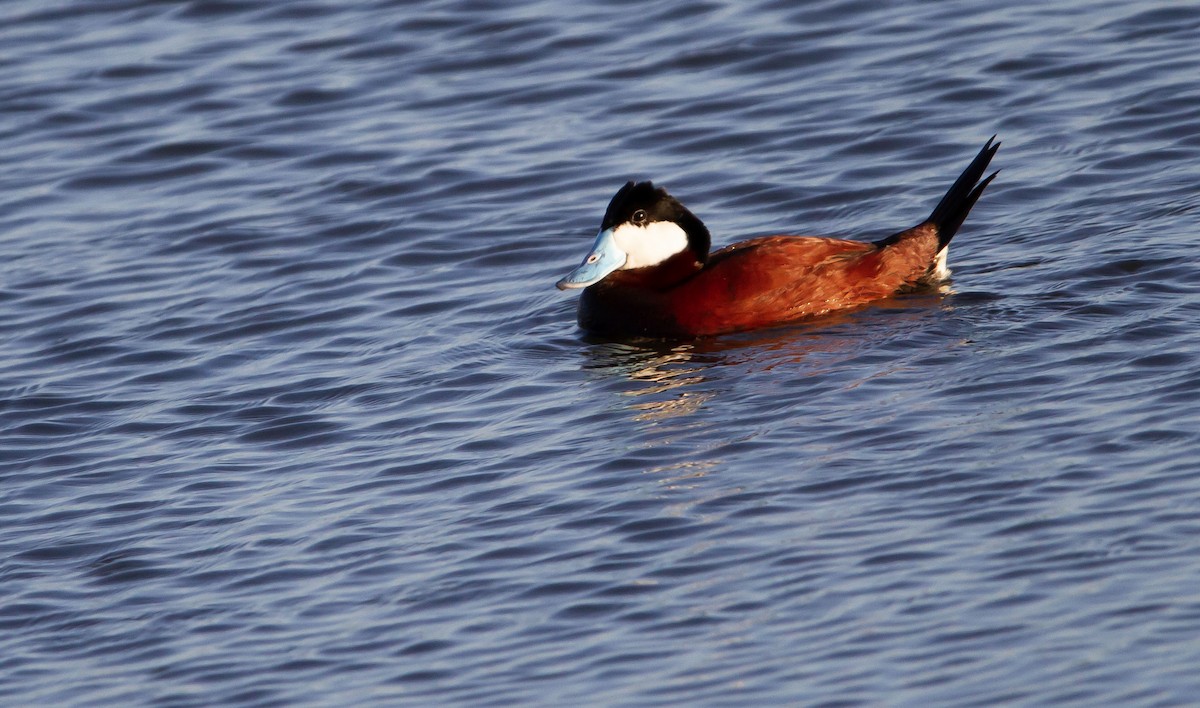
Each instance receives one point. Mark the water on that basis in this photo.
(291, 412)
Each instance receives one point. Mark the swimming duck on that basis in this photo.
(650, 272)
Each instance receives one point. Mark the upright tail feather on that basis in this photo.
(949, 214)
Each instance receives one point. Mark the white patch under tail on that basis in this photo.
(940, 271)
(650, 244)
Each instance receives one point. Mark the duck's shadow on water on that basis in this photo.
(666, 379)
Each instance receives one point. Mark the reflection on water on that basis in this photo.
(682, 475)
(667, 376)
(666, 380)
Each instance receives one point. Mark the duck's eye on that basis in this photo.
(593, 258)
(639, 217)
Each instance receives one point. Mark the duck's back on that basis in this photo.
(778, 279)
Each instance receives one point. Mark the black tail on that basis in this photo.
(949, 214)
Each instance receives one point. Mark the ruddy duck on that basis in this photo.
(650, 272)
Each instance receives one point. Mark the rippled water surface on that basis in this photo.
(291, 413)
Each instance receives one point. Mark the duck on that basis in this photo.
(650, 272)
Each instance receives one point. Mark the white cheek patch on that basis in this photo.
(650, 244)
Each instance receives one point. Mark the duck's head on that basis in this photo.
(643, 227)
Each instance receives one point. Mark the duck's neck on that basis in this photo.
(661, 276)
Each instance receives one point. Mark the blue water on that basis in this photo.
(291, 412)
